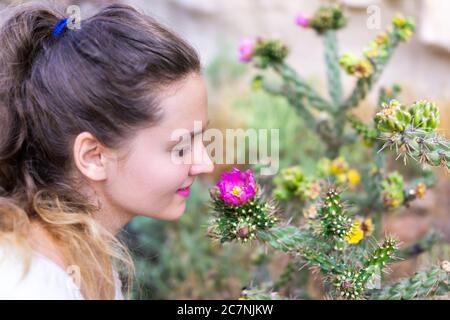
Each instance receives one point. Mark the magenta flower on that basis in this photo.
(246, 49)
(302, 20)
(237, 187)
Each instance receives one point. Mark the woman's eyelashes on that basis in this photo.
(181, 152)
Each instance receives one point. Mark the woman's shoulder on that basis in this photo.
(43, 279)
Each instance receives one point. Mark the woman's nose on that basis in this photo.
(205, 165)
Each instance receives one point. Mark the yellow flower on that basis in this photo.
(421, 188)
(373, 53)
(399, 21)
(338, 166)
(363, 69)
(353, 177)
(406, 34)
(382, 38)
(366, 226)
(356, 234)
(243, 298)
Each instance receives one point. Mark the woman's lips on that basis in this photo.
(184, 192)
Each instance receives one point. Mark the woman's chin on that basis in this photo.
(174, 212)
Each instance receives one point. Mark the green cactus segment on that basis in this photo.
(425, 115)
(326, 263)
(288, 238)
(332, 64)
(349, 286)
(241, 222)
(328, 18)
(434, 281)
(428, 148)
(352, 284)
(392, 190)
(292, 183)
(396, 117)
(411, 130)
(379, 258)
(368, 134)
(269, 52)
(295, 99)
(302, 89)
(334, 222)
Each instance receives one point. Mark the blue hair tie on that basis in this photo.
(59, 27)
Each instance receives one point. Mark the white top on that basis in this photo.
(45, 279)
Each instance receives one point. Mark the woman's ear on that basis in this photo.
(89, 157)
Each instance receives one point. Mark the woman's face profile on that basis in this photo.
(148, 180)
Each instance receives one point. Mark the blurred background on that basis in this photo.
(175, 260)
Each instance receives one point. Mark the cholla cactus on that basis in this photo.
(434, 281)
(334, 223)
(396, 117)
(328, 18)
(329, 232)
(265, 52)
(271, 53)
(241, 210)
(339, 228)
(351, 284)
(411, 130)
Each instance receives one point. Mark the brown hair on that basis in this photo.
(103, 78)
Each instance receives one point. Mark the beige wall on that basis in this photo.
(422, 65)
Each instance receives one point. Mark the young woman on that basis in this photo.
(86, 122)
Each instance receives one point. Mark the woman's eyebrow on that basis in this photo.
(193, 133)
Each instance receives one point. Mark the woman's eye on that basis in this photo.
(181, 152)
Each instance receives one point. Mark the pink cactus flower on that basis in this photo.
(246, 49)
(237, 187)
(302, 20)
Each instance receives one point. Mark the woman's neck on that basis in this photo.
(41, 241)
